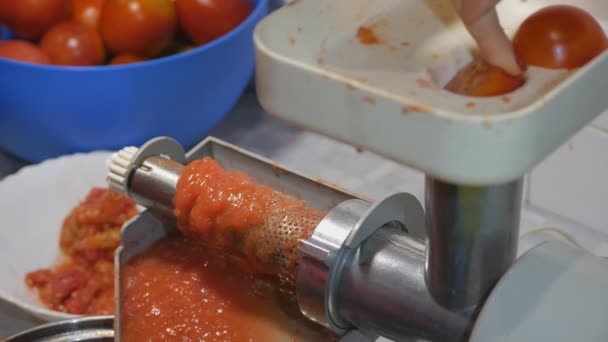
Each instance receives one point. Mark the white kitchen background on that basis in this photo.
(573, 182)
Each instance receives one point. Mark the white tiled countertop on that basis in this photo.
(319, 157)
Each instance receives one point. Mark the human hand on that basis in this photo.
(481, 20)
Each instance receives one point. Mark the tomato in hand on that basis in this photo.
(30, 19)
(208, 20)
(87, 11)
(73, 43)
(481, 79)
(140, 27)
(559, 37)
(23, 51)
(126, 59)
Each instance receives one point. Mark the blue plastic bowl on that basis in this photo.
(48, 111)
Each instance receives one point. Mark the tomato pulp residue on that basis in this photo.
(481, 79)
(180, 290)
(83, 282)
(230, 213)
(367, 36)
(211, 199)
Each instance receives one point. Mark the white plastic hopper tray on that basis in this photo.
(314, 73)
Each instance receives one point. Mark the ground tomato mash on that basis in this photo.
(180, 290)
(83, 281)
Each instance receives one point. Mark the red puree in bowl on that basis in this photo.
(179, 290)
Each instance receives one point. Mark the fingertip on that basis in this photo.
(494, 45)
(520, 62)
(508, 62)
(472, 10)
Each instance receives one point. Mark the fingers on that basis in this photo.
(481, 20)
(494, 45)
(471, 10)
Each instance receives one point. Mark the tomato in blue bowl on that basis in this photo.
(51, 110)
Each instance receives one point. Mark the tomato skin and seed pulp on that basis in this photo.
(202, 284)
(229, 212)
(82, 282)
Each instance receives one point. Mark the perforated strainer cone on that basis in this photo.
(229, 212)
(275, 243)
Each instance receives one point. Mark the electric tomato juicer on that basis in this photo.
(390, 268)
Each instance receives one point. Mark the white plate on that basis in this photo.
(33, 204)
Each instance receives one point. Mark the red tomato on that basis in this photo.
(30, 19)
(126, 59)
(73, 43)
(23, 51)
(208, 20)
(141, 27)
(87, 11)
(481, 79)
(559, 37)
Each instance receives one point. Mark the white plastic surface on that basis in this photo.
(314, 72)
(33, 204)
(555, 292)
